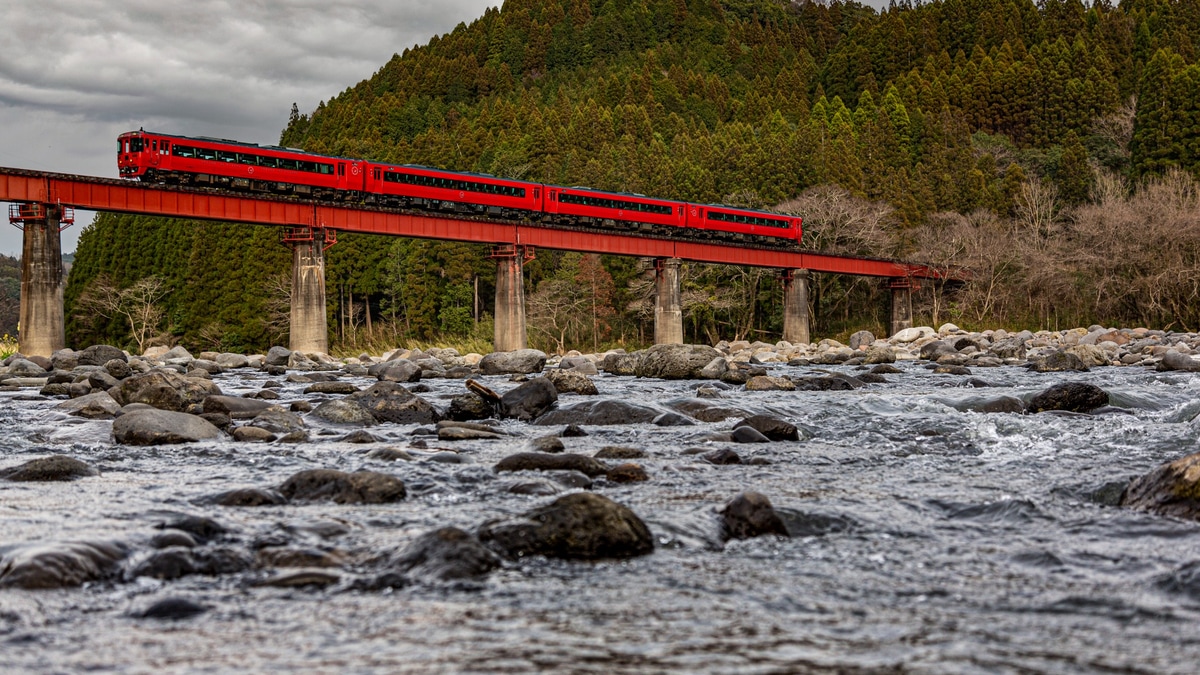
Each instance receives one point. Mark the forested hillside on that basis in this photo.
(1051, 147)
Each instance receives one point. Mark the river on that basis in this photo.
(925, 539)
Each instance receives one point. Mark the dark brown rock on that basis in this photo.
(541, 461)
(1172, 489)
(360, 487)
(581, 525)
(751, 514)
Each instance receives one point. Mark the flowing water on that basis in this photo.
(925, 539)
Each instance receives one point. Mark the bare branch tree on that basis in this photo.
(137, 305)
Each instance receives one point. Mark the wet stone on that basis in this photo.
(1059, 362)
(628, 472)
(169, 538)
(581, 525)
(360, 487)
(550, 444)
(158, 427)
(464, 433)
(746, 434)
(248, 434)
(171, 609)
(773, 428)
(573, 431)
(52, 468)
(1070, 396)
(750, 514)
(540, 461)
(334, 387)
(1171, 489)
(175, 563)
(446, 554)
(249, 497)
(619, 452)
(389, 455)
(722, 457)
(360, 436)
(60, 565)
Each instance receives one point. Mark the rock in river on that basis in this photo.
(542, 461)
(751, 514)
(59, 565)
(360, 487)
(1172, 489)
(675, 362)
(529, 400)
(521, 361)
(581, 525)
(445, 554)
(1071, 396)
(771, 427)
(391, 402)
(158, 427)
(52, 468)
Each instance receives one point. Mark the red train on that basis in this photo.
(162, 158)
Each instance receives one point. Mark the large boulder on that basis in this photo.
(1070, 396)
(572, 382)
(521, 361)
(750, 514)
(469, 406)
(345, 412)
(544, 461)
(277, 356)
(1008, 348)
(1172, 489)
(772, 427)
(98, 355)
(277, 420)
(675, 362)
(602, 412)
(52, 468)
(1059, 362)
(861, 339)
(445, 554)
(620, 364)
(1172, 360)
(529, 400)
(360, 487)
(60, 565)
(581, 525)
(91, 406)
(237, 407)
(150, 426)
(399, 370)
(164, 389)
(391, 402)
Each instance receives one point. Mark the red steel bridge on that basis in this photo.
(319, 222)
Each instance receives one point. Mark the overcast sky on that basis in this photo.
(75, 73)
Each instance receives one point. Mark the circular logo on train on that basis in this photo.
(462, 195)
(250, 170)
(354, 169)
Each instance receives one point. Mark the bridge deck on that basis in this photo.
(122, 196)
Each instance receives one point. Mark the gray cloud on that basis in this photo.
(75, 73)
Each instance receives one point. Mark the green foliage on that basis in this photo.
(932, 107)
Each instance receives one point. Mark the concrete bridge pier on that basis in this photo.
(668, 305)
(795, 307)
(309, 331)
(42, 327)
(510, 297)
(901, 304)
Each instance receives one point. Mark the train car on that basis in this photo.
(152, 157)
(625, 211)
(412, 186)
(729, 222)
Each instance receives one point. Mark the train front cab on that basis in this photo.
(138, 151)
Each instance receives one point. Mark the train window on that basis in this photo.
(450, 184)
(135, 145)
(154, 146)
(606, 203)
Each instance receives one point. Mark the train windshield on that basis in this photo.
(135, 144)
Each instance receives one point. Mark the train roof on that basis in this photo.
(459, 173)
(749, 210)
(617, 192)
(210, 139)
